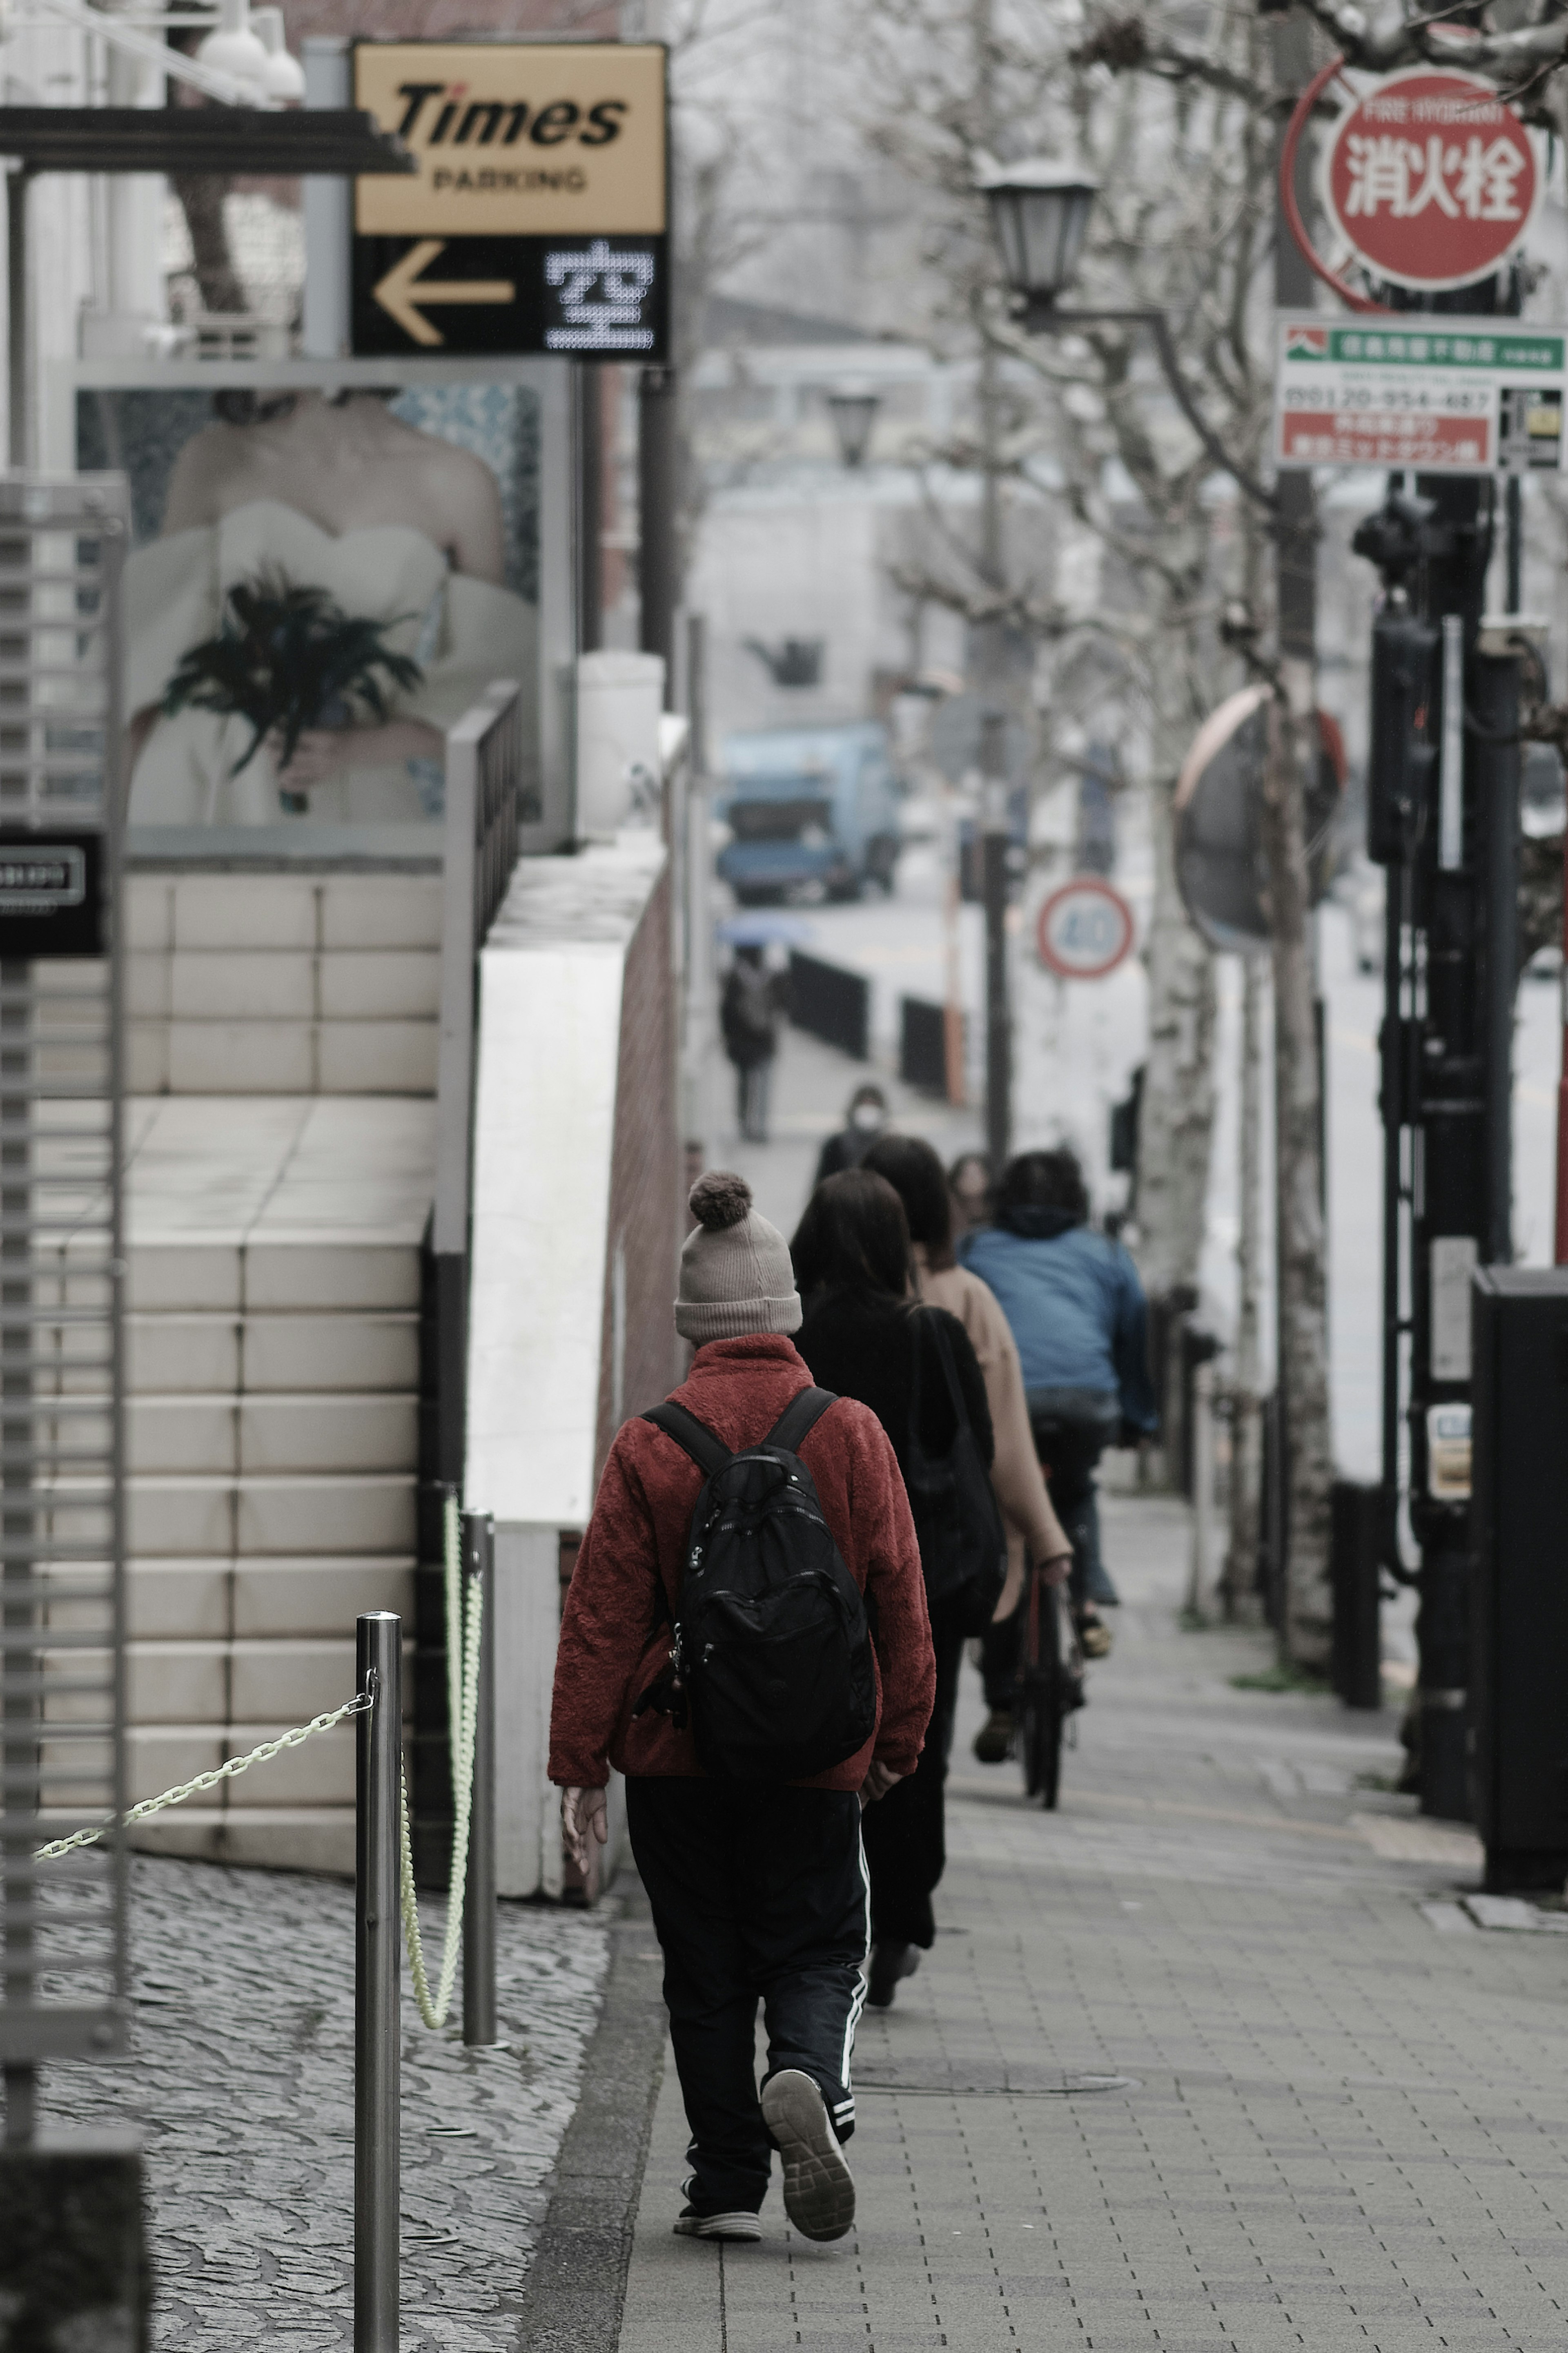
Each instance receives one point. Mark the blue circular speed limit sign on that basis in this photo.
(1085, 930)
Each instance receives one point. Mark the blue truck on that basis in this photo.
(813, 812)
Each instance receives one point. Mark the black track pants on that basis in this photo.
(905, 1832)
(758, 1893)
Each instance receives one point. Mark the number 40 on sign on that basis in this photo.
(1084, 930)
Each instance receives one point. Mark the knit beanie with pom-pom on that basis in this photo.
(735, 1271)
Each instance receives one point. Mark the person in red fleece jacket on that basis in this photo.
(758, 1890)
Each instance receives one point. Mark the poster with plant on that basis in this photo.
(322, 582)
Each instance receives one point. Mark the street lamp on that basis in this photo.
(853, 409)
(1039, 215)
(1039, 218)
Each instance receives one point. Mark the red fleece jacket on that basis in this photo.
(611, 1648)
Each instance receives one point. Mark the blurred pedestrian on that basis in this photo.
(1077, 1313)
(969, 1181)
(749, 1014)
(866, 1335)
(915, 1174)
(758, 1886)
(863, 1120)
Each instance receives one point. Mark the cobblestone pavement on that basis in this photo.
(241, 2080)
(1346, 2122)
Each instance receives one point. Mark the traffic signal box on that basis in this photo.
(1518, 1616)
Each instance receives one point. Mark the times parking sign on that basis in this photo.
(538, 220)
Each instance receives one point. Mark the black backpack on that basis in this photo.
(772, 1652)
(964, 1546)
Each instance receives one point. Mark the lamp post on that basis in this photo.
(853, 408)
(1039, 218)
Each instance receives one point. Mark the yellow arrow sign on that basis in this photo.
(405, 297)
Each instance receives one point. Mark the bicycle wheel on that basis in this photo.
(1040, 1711)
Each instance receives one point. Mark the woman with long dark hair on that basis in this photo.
(969, 1182)
(865, 1335)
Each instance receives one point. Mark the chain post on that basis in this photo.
(479, 1909)
(377, 1945)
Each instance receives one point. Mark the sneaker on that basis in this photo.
(740, 2225)
(889, 1964)
(1093, 1635)
(993, 1741)
(819, 2187)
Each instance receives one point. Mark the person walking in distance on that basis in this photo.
(1077, 1313)
(915, 1174)
(866, 1336)
(749, 1020)
(969, 1181)
(745, 1637)
(864, 1120)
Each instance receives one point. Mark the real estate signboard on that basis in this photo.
(1433, 394)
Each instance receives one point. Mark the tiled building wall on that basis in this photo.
(644, 1226)
(282, 984)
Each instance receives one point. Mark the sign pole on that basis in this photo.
(328, 208)
(657, 580)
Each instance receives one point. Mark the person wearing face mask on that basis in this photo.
(969, 1182)
(863, 1120)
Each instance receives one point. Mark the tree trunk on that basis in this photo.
(1298, 1121)
(1239, 1583)
(1175, 1122)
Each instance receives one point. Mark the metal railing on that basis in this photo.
(380, 1932)
(61, 1277)
(385, 1913)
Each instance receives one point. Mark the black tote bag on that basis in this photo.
(963, 1546)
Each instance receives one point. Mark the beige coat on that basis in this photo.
(1016, 1470)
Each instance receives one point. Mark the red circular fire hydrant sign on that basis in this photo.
(1431, 179)
(1084, 930)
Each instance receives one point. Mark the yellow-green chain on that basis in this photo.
(465, 1608)
(356, 1707)
(465, 1621)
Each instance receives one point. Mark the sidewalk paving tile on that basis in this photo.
(1344, 2127)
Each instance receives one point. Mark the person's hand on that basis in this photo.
(877, 1782)
(319, 753)
(1012, 1587)
(582, 1809)
(1057, 1569)
(322, 752)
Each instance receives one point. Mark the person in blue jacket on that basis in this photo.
(1077, 1313)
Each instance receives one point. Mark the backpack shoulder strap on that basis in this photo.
(799, 1418)
(954, 1388)
(693, 1437)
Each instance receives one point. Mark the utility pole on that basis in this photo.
(588, 434)
(988, 659)
(990, 662)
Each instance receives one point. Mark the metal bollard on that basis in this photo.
(377, 1949)
(1355, 1527)
(1201, 1428)
(480, 1897)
